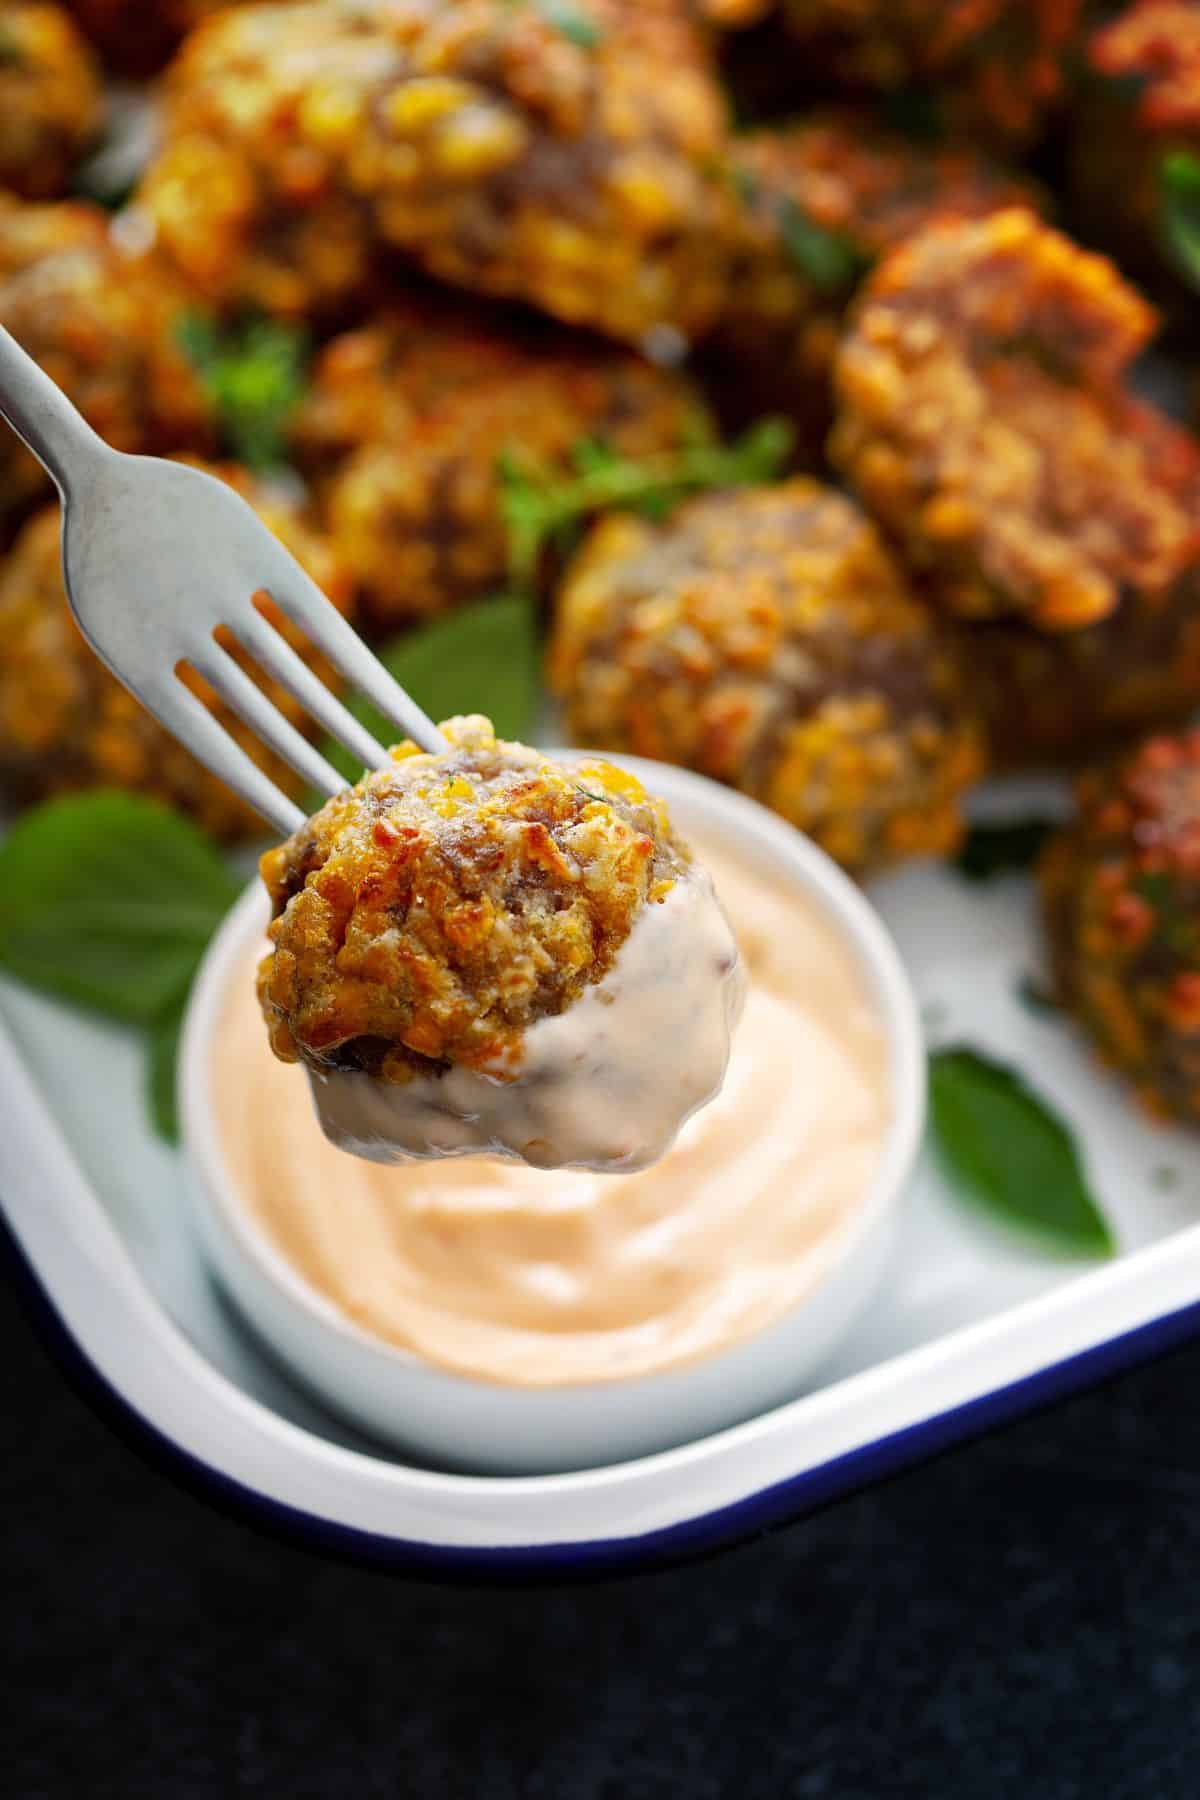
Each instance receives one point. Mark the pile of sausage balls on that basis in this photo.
(938, 236)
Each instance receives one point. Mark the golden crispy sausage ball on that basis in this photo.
(565, 157)
(817, 202)
(430, 916)
(996, 64)
(1052, 697)
(250, 195)
(407, 420)
(767, 638)
(50, 104)
(103, 324)
(66, 723)
(484, 950)
(29, 234)
(982, 419)
(1121, 896)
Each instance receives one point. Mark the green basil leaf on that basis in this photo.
(826, 259)
(1010, 1153)
(479, 658)
(1179, 206)
(255, 378)
(162, 1057)
(542, 505)
(746, 185)
(108, 900)
(571, 22)
(999, 849)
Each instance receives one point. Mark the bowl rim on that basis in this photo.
(794, 857)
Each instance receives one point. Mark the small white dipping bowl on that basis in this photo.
(460, 1423)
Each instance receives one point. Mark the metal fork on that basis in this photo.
(157, 557)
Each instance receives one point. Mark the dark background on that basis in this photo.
(1018, 1619)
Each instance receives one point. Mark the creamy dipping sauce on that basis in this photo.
(595, 1090)
(507, 1273)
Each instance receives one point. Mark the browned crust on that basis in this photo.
(435, 912)
(1121, 894)
(982, 418)
(768, 639)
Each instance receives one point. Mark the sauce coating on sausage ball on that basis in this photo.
(465, 933)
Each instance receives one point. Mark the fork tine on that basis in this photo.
(304, 603)
(277, 658)
(189, 720)
(264, 718)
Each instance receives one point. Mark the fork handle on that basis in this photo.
(42, 416)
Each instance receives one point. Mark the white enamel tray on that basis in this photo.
(973, 1327)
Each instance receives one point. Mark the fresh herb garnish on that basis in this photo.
(162, 1055)
(480, 657)
(255, 378)
(999, 849)
(1179, 208)
(829, 260)
(1175, 924)
(1010, 1153)
(109, 900)
(542, 506)
(571, 22)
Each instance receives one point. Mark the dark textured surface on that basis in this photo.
(1020, 1619)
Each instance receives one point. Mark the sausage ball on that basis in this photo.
(1121, 896)
(1054, 697)
(982, 418)
(816, 203)
(249, 196)
(30, 234)
(996, 64)
(483, 951)
(565, 157)
(767, 638)
(66, 723)
(50, 102)
(432, 914)
(407, 421)
(103, 324)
